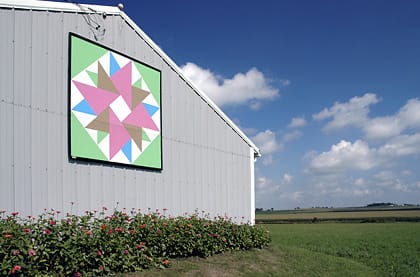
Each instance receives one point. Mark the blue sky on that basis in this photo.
(329, 90)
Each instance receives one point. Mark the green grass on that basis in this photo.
(390, 249)
(333, 249)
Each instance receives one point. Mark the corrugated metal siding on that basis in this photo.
(205, 163)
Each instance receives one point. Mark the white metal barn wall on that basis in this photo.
(207, 161)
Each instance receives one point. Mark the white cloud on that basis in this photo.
(403, 145)
(287, 178)
(360, 182)
(355, 113)
(409, 114)
(266, 186)
(382, 127)
(352, 113)
(295, 134)
(406, 172)
(361, 192)
(344, 156)
(408, 117)
(297, 122)
(250, 88)
(268, 145)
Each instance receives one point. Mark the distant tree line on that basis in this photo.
(382, 204)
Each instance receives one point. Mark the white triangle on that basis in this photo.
(75, 97)
(156, 118)
(84, 118)
(150, 100)
(84, 78)
(145, 145)
(104, 146)
(135, 151)
(92, 133)
(93, 67)
(135, 74)
(121, 60)
(144, 85)
(104, 60)
(120, 158)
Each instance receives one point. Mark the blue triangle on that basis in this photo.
(151, 109)
(113, 65)
(127, 150)
(84, 108)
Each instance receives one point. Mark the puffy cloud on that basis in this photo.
(403, 145)
(266, 186)
(360, 182)
(295, 134)
(344, 156)
(408, 117)
(352, 113)
(250, 88)
(355, 113)
(297, 122)
(268, 145)
(409, 114)
(287, 178)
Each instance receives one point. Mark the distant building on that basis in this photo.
(93, 113)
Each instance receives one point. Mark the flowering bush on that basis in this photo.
(99, 244)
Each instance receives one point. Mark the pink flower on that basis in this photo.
(15, 252)
(77, 274)
(125, 252)
(89, 232)
(47, 231)
(31, 252)
(52, 222)
(8, 236)
(15, 213)
(15, 269)
(27, 230)
(110, 231)
(99, 252)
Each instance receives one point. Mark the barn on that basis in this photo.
(94, 114)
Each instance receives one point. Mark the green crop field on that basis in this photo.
(349, 215)
(324, 249)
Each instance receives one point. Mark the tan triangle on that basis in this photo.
(138, 96)
(104, 82)
(100, 123)
(135, 133)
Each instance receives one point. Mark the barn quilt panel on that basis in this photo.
(114, 106)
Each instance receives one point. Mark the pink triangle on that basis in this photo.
(98, 99)
(118, 135)
(140, 117)
(122, 81)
